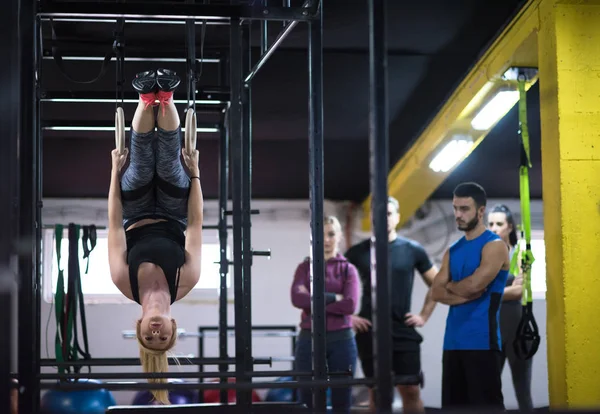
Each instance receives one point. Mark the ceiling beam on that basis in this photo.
(163, 11)
(411, 180)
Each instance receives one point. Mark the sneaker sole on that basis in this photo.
(168, 84)
(145, 82)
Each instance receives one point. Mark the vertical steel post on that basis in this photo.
(224, 260)
(9, 73)
(28, 203)
(235, 123)
(7, 297)
(286, 3)
(190, 26)
(264, 33)
(315, 159)
(200, 366)
(38, 192)
(246, 99)
(378, 146)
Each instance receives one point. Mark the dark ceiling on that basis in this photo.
(432, 45)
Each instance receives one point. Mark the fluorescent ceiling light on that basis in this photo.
(85, 100)
(112, 21)
(108, 128)
(130, 59)
(494, 110)
(451, 154)
(70, 16)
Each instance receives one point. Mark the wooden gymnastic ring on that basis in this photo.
(190, 131)
(120, 130)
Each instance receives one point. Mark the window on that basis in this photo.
(96, 282)
(538, 269)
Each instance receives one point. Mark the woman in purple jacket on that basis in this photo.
(342, 290)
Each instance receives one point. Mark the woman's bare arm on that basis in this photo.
(190, 272)
(117, 243)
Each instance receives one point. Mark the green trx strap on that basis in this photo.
(66, 304)
(62, 332)
(527, 338)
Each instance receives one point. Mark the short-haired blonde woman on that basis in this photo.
(342, 290)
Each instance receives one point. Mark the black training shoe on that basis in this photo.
(167, 80)
(145, 82)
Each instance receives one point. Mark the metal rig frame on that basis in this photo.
(21, 194)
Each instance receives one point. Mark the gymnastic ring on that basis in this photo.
(190, 131)
(120, 130)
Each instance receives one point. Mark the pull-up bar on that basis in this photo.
(169, 11)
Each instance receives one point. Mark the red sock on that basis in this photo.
(149, 99)
(163, 98)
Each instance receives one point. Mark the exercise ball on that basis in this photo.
(77, 401)
(287, 394)
(281, 394)
(214, 396)
(176, 397)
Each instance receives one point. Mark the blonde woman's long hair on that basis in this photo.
(153, 360)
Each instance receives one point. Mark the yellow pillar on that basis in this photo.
(569, 64)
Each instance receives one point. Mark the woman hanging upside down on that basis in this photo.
(155, 213)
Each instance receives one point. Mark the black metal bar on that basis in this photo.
(230, 212)
(48, 125)
(184, 334)
(168, 11)
(264, 32)
(257, 408)
(10, 125)
(256, 328)
(9, 30)
(223, 226)
(176, 386)
(293, 352)
(38, 170)
(286, 3)
(107, 362)
(378, 144)
(204, 226)
(91, 56)
(214, 97)
(7, 300)
(315, 159)
(28, 199)
(270, 50)
(145, 21)
(214, 227)
(191, 60)
(235, 124)
(223, 234)
(182, 375)
(201, 367)
(264, 253)
(246, 98)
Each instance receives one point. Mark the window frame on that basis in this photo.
(537, 236)
(198, 294)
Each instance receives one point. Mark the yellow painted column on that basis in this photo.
(569, 64)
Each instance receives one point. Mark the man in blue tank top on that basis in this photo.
(471, 281)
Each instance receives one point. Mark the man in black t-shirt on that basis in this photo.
(405, 256)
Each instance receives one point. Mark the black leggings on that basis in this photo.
(155, 183)
(510, 316)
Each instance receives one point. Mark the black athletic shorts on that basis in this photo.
(472, 380)
(405, 363)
